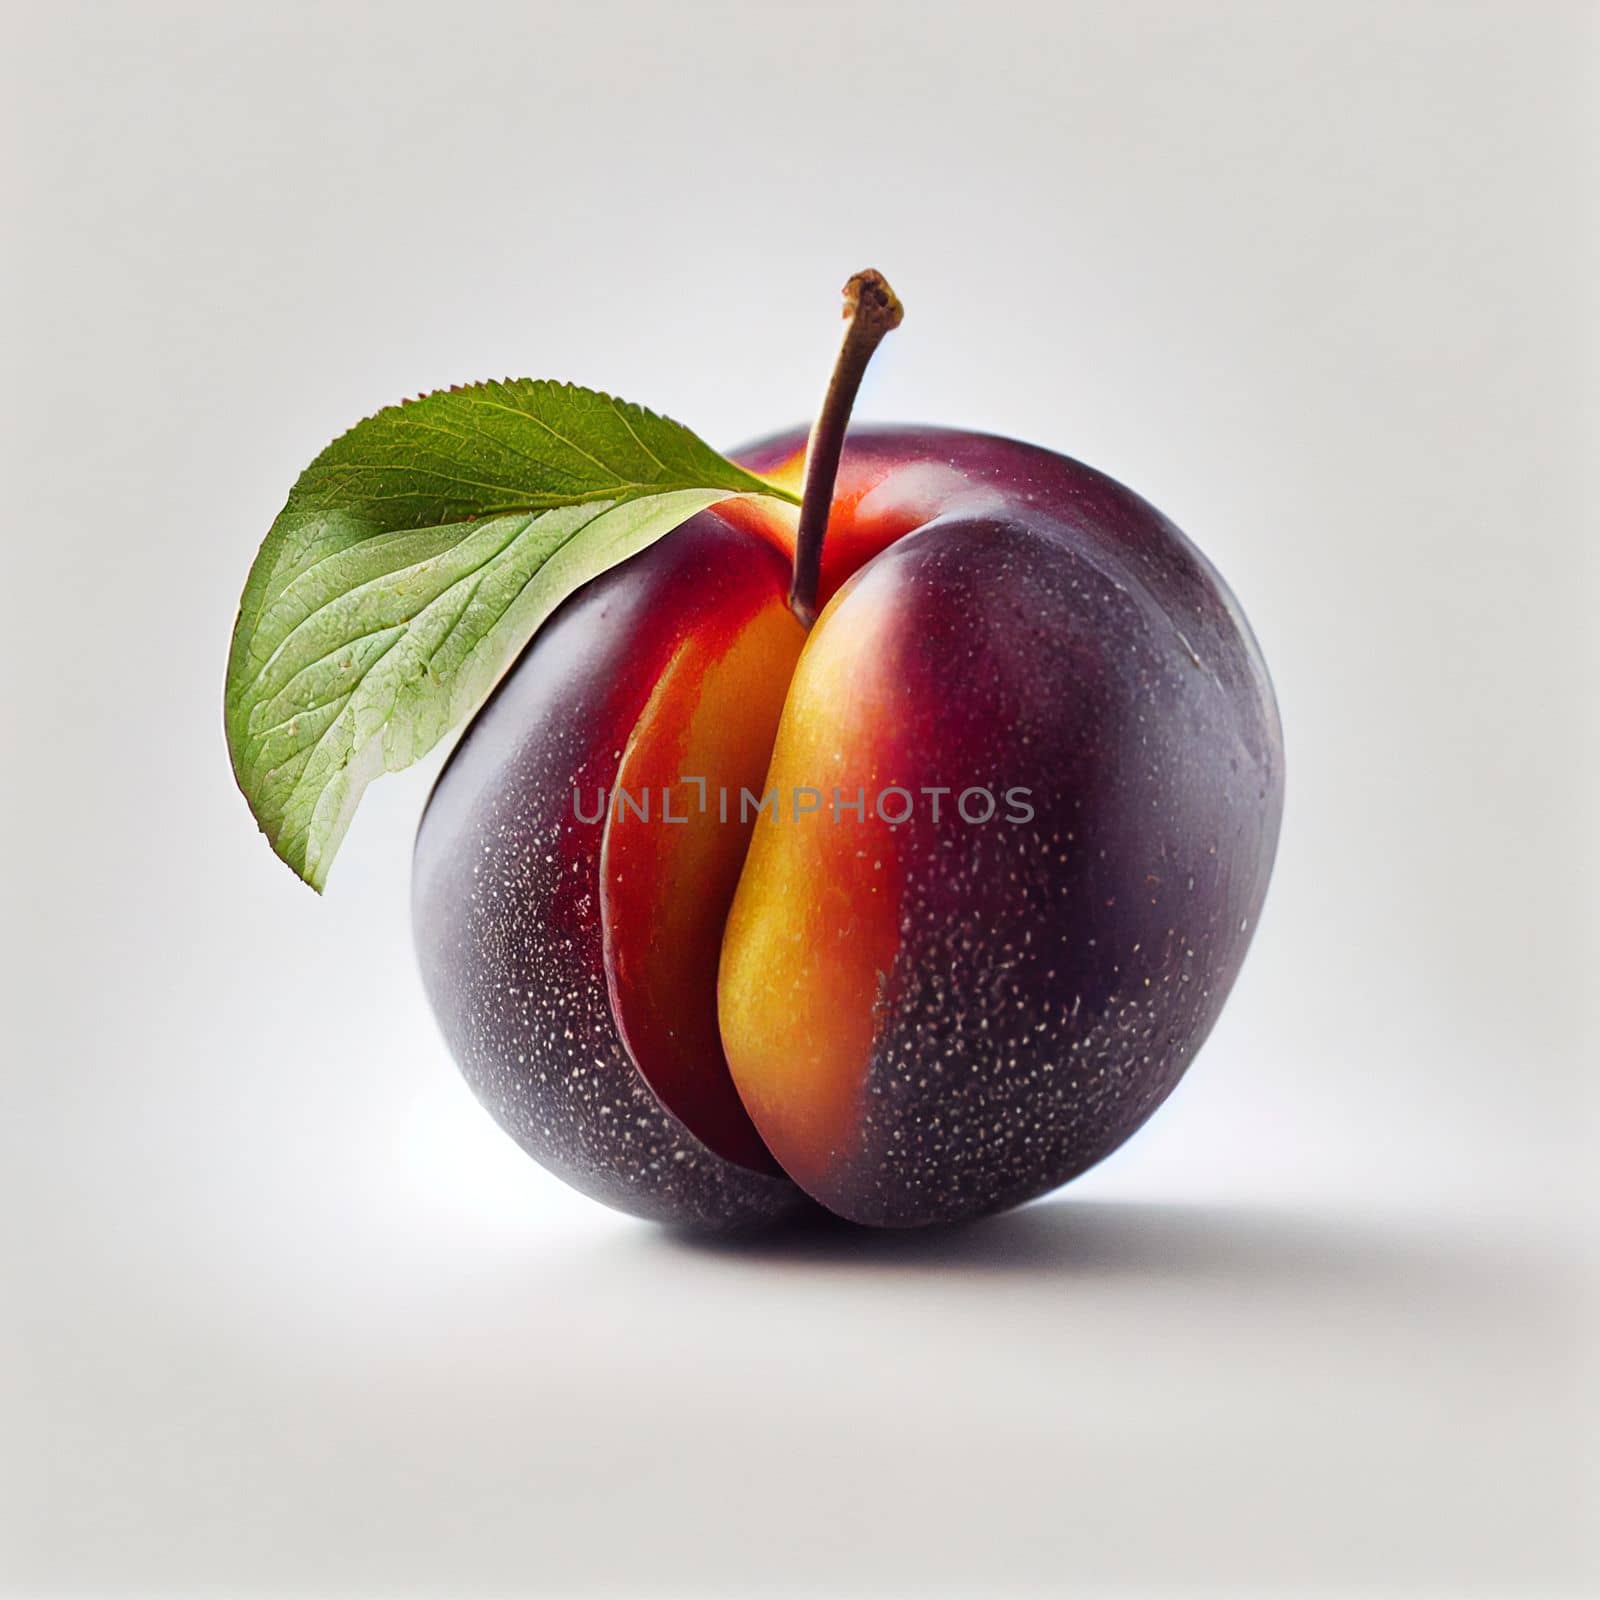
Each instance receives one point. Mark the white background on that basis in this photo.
(284, 1311)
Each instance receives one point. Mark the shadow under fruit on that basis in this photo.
(910, 1014)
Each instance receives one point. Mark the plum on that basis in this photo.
(918, 913)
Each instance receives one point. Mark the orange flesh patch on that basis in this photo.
(814, 929)
(667, 884)
(746, 960)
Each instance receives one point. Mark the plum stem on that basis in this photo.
(871, 309)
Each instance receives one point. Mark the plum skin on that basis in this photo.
(1035, 991)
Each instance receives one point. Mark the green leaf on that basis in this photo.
(415, 558)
